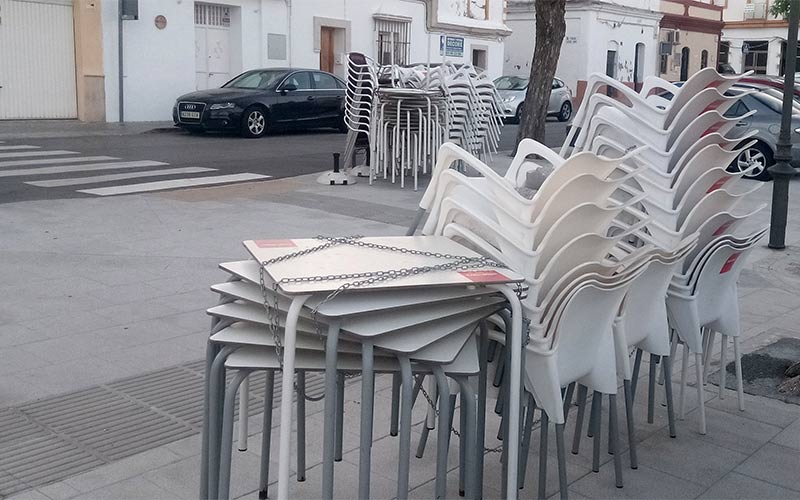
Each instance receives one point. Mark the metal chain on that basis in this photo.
(498, 449)
(457, 263)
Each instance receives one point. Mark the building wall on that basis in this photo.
(696, 42)
(159, 64)
(740, 28)
(89, 79)
(592, 28)
(698, 24)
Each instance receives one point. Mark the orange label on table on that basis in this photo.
(720, 182)
(275, 243)
(729, 263)
(483, 276)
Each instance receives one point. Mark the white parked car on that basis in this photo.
(512, 89)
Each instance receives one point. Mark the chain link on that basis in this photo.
(361, 279)
(498, 449)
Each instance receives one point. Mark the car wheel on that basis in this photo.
(565, 113)
(758, 156)
(254, 122)
(518, 115)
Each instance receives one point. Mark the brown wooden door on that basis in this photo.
(326, 49)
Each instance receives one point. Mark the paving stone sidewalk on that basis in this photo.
(98, 290)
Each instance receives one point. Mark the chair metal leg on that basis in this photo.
(666, 363)
(613, 431)
(492, 351)
(542, 486)
(527, 430)
(462, 447)
(405, 428)
(395, 413)
(226, 444)
(367, 412)
(568, 399)
(711, 336)
(301, 426)
(337, 455)
(651, 389)
(562, 462)
(597, 408)
(629, 419)
(266, 436)
(737, 360)
(590, 428)
(576, 439)
(723, 346)
(682, 392)
(244, 413)
(701, 404)
(637, 365)
(501, 364)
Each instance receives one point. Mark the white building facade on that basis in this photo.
(752, 39)
(617, 38)
(178, 46)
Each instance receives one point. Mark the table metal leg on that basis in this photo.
(395, 410)
(405, 428)
(542, 486)
(287, 391)
(576, 438)
(212, 349)
(482, 381)
(469, 407)
(301, 425)
(215, 404)
(226, 445)
(367, 412)
(443, 431)
(337, 455)
(266, 436)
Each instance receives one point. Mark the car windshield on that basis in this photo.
(259, 79)
(511, 83)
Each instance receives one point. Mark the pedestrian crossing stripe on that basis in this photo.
(51, 161)
(81, 168)
(18, 147)
(75, 181)
(174, 184)
(24, 154)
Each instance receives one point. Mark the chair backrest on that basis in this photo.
(723, 223)
(703, 160)
(719, 200)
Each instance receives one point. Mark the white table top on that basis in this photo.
(348, 259)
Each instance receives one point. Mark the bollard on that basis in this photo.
(336, 177)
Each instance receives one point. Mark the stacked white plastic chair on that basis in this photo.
(569, 241)
(686, 184)
(409, 112)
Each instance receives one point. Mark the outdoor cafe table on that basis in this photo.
(340, 259)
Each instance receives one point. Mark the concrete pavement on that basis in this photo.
(101, 289)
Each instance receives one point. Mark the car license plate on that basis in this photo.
(190, 114)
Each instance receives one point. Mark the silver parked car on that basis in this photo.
(512, 90)
(768, 102)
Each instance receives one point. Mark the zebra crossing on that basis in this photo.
(100, 175)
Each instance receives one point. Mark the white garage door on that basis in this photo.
(212, 45)
(37, 59)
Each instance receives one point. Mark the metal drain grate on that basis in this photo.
(55, 438)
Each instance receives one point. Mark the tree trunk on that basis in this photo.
(550, 30)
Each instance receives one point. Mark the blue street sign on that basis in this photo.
(451, 46)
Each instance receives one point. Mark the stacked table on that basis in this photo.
(413, 298)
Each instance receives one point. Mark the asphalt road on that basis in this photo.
(37, 168)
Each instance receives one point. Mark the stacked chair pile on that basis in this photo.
(407, 113)
(630, 245)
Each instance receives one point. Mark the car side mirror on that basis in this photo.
(289, 87)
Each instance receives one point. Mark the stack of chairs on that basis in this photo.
(408, 113)
(642, 189)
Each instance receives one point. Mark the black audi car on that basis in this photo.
(262, 99)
